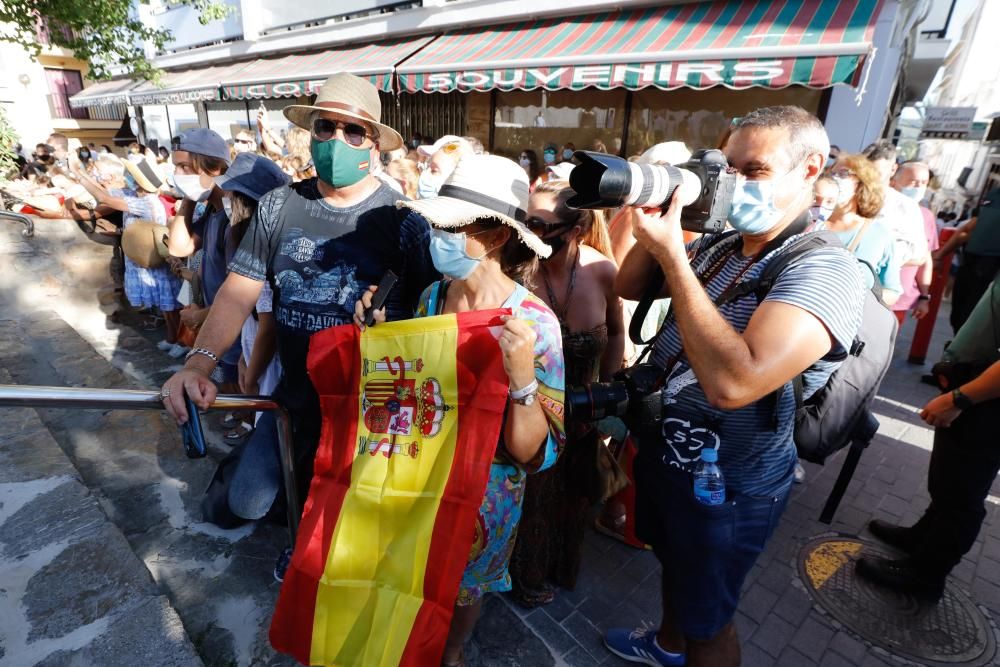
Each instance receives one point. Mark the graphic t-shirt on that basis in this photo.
(320, 259)
(756, 450)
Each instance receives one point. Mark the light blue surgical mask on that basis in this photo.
(753, 210)
(449, 256)
(428, 185)
(130, 182)
(915, 193)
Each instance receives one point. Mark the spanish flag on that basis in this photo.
(411, 418)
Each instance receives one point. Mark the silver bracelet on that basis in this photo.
(202, 351)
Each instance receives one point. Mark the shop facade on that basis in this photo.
(626, 79)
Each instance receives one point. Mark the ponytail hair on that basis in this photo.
(592, 224)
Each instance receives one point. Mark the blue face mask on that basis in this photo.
(428, 185)
(753, 209)
(914, 193)
(821, 213)
(449, 255)
(130, 182)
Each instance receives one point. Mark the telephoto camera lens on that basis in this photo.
(608, 181)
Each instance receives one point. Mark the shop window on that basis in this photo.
(183, 117)
(157, 124)
(538, 118)
(700, 118)
(228, 118)
(431, 114)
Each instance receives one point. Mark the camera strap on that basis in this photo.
(798, 226)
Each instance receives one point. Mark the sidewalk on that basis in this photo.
(777, 620)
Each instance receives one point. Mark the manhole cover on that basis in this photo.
(952, 632)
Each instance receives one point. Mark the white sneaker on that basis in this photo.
(177, 351)
(165, 346)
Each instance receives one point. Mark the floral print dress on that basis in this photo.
(500, 512)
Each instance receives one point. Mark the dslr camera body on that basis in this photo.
(608, 181)
(634, 395)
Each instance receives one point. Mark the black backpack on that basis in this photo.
(839, 413)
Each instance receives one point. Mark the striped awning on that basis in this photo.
(295, 75)
(732, 43)
(180, 86)
(103, 93)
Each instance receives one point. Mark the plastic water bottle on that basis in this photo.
(709, 487)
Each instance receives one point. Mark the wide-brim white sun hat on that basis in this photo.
(481, 187)
(668, 152)
(348, 96)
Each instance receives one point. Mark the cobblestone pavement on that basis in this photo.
(777, 620)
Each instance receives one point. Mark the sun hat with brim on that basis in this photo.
(253, 175)
(482, 187)
(144, 174)
(348, 96)
(561, 171)
(446, 140)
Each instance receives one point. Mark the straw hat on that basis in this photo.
(350, 97)
(144, 174)
(482, 186)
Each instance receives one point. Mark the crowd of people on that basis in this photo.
(250, 246)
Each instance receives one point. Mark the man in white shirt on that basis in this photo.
(900, 214)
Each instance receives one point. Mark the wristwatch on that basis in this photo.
(525, 395)
(961, 401)
(924, 297)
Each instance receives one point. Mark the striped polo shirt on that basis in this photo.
(756, 450)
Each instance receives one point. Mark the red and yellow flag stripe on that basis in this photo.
(389, 520)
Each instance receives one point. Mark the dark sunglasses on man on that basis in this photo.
(354, 134)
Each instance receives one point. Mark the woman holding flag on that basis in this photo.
(480, 244)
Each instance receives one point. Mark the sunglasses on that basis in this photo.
(842, 173)
(354, 134)
(539, 226)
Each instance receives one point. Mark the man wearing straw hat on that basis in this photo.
(320, 243)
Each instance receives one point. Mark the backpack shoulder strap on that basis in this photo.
(762, 284)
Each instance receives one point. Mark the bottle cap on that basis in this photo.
(709, 455)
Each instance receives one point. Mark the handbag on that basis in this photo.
(186, 335)
(613, 478)
(143, 242)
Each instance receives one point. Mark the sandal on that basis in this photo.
(531, 599)
(238, 434)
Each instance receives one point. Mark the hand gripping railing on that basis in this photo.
(12, 396)
(29, 224)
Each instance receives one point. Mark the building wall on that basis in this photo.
(857, 117)
(24, 94)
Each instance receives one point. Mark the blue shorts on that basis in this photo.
(706, 551)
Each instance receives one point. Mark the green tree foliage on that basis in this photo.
(106, 33)
(8, 139)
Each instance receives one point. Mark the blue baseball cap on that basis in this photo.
(253, 175)
(204, 141)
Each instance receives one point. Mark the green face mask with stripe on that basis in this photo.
(338, 163)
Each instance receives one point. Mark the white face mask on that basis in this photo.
(190, 186)
(846, 190)
(227, 206)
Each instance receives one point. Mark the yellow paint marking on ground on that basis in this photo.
(826, 559)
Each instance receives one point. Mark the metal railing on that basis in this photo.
(21, 396)
(29, 224)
